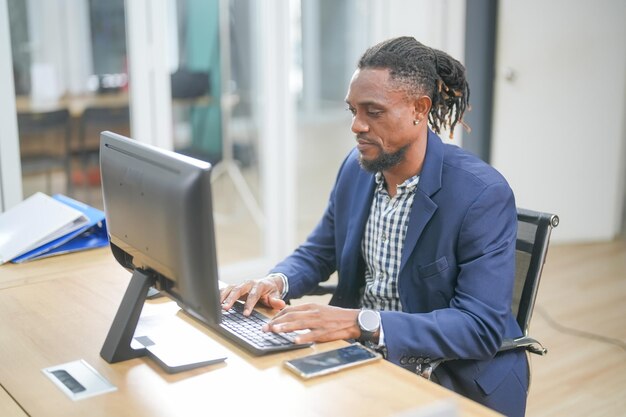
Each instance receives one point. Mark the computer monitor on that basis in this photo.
(159, 218)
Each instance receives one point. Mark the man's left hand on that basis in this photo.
(326, 323)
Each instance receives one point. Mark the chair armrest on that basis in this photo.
(525, 342)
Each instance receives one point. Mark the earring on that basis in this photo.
(416, 122)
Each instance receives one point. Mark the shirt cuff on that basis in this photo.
(381, 335)
(283, 277)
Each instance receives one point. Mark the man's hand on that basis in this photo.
(326, 323)
(266, 290)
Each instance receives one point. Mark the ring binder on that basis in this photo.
(43, 226)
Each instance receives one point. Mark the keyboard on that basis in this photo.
(247, 332)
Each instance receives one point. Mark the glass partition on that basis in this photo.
(71, 82)
(225, 93)
(213, 114)
(331, 37)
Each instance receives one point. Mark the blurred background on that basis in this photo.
(257, 88)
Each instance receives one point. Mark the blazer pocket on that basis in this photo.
(492, 376)
(434, 268)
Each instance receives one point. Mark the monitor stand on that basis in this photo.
(171, 357)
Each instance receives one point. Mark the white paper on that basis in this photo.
(176, 343)
(44, 84)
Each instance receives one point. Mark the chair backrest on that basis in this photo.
(533, 238)
(40, 121)
(45, 144)
(106, 115)
(96, 119)
(44, 134)
(190, 84)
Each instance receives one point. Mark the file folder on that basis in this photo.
(42, 226)
(92, 234)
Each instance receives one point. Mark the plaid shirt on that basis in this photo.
(383, 241)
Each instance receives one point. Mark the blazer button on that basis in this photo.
(412, 360)
(403, 360)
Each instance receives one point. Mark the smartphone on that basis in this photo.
(332, 361)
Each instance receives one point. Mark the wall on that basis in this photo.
(10, 168)
(438, 24)
(558, 131)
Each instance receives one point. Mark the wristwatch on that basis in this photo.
(369, 323)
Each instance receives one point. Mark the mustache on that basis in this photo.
(364, 138)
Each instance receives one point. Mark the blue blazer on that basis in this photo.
(456, 274)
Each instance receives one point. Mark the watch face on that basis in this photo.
(368, 320)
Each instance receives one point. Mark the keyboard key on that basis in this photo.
(250, 328)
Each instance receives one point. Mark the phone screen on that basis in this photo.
(332, 361)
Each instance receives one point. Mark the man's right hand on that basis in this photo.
(266, 290)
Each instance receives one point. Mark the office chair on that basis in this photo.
(92, 122)
(191, 95)
(533, 237)
(40, 148)
(187, 84)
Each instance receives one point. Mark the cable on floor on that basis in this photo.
(579, 333)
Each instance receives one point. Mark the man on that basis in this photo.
(422, 235)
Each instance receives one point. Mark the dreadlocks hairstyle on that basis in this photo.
(423, 70)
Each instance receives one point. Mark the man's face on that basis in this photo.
(382, 119)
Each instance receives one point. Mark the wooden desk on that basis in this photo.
(8, 407)
(89, 263)
(60, 309)
(75, 104)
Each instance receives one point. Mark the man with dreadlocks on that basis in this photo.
(422, 235)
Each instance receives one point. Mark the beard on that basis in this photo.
(384, 161)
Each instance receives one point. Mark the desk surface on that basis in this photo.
(60, 309)
(75, 104)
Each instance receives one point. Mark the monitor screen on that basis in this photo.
(159, 217)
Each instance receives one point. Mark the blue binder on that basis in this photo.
(92, 235)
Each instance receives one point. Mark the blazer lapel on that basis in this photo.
(351, 276)
(423, 206)
(362, 202)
